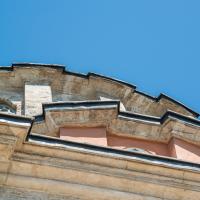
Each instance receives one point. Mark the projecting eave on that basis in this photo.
(61, 106)
(169, 114)
(87, 105)
(15, 120)
(73, 105)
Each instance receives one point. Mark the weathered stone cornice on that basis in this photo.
(107, 114)
(12, 119)
(60, 106)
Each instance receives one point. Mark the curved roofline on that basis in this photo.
(63, 68)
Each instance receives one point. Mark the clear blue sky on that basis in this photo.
(154, 44)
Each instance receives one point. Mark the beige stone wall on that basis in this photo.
(7, 193)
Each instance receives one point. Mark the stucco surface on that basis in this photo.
(95, 136)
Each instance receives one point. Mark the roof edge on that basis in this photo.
(25, 64)
(112, 79)
(164, 96)
(16, 118)
(63, 68)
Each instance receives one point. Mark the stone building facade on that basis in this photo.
(71, 136)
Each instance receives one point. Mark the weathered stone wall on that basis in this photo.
(7, 193)
(70, 87)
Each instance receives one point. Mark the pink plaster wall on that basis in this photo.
(176, 148)
(95, 136)
(149, 146)
(183, 150)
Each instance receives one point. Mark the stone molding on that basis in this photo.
(108, 114)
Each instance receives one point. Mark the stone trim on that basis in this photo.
(125, 115)
(10, 118)
(134, 125)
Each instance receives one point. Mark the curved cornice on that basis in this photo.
(114, 103)
(161, 120)
(103, 107)
(87, 76)
(159, 129)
